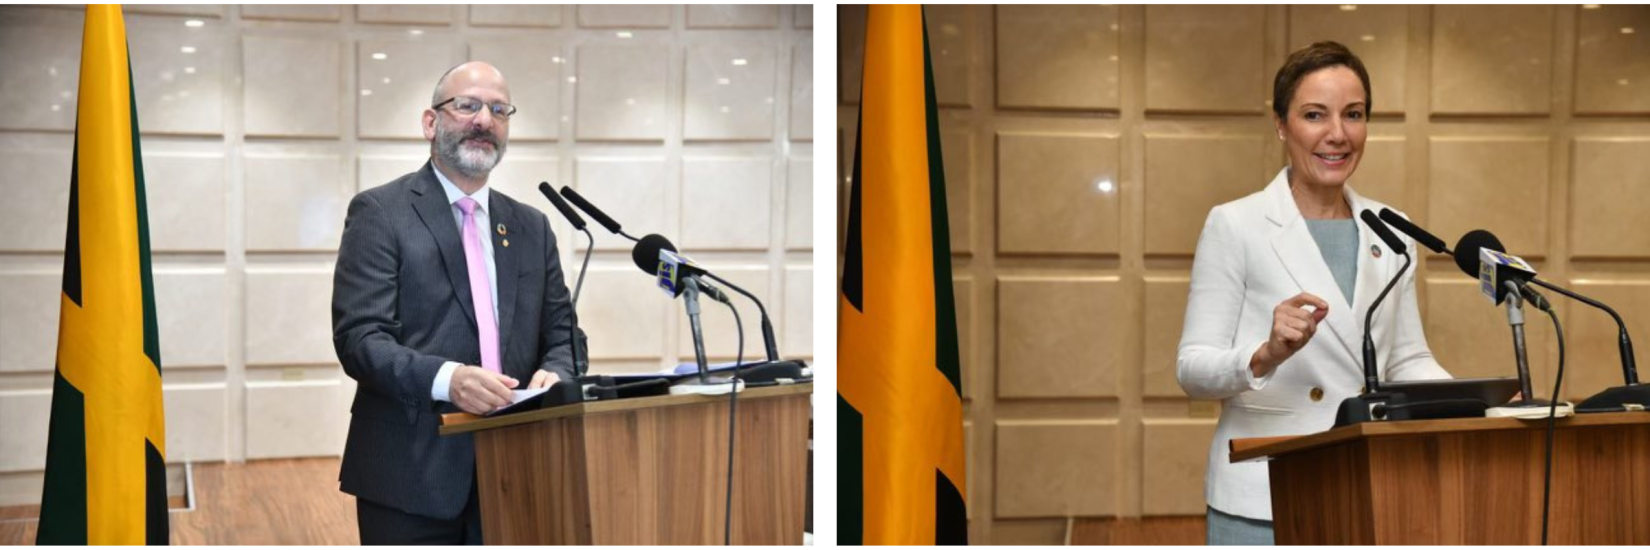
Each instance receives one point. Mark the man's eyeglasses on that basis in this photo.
(467, 106)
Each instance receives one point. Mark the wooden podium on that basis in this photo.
(644, 471)
(1460, 481)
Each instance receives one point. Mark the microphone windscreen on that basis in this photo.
(561, 205)
(1421, 236)
(595, 213)
(1466, 250)
(1381, 230)
(646, 252)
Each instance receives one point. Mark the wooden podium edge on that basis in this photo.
(1259, 448)
(458, 423)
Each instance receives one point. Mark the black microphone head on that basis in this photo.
(1466, 250)
(595, 214)
(646, 252)
(1380, 229)
(1421, 236)
(561, 205)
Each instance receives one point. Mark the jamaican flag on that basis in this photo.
(900, 460)
(105, 455)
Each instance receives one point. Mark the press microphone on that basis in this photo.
(646, 256)
(1631, 395)
(581, 357)
(1371, 379)
(672, 269)
(1480, 255)
(1421, 236)
(595, 214)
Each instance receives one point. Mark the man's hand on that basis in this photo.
(479, 391)
(543, 379)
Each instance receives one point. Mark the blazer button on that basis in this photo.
(1317, 394)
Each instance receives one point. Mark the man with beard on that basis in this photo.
(447, 295)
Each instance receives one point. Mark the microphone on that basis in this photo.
(1371, 379)
(672, 269)
(581, 356)
(1421, 236)
(1470, 256)
(646, 256)
(1631, 395)
(595, 214)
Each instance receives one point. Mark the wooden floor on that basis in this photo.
(292, 501)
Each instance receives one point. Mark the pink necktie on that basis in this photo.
(481, 290)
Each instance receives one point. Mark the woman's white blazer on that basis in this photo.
(1254, 253)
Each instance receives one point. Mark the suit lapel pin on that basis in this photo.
(501, 229)
(1376, 250)
(506, 243)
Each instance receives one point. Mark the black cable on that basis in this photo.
(733, 407)
(1552, 413)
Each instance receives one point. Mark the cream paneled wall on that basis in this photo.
(1084, 146)
(260, 122)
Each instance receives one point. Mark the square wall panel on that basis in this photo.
(1058, 194)
(414, 14)
(191, 306)
(176, 9)
(799, 204)
(295, 419)
(35, 216)
(295, 202)
(30, 305)
(25, 417)
(515, 16)
(293, 86)
(951, 38)
(621, 312)
(629, 190)
(290, 12)
(621, 92)
(1492, 59)
(1498, 184)
(1607, 206)
(624, 16)
(395, 78)
(850, 51)
(1206, 59)
(1591, 336)
(1180, 193)
(725, 204)
(44, 44)
(196, 430)
(1055, 337)
(802, 92)
(535, 82)
(740, 16)
(1612, 59)
(1378, 34)
(721, 340)
(1056, 468)
(957, 146)
(1175, 457)
(797, 333)
(1165, 319)
(1470, 338)
(289, 316)
(804, 16)
(374, 170)
(1380, 173)
(185, 194)
(730, 92)
(177, 74)
(1058, 57)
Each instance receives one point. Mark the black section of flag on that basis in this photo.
(850, 474)
(151, 326)
(63, 503)
(946, 357)
(853, 255)
(154, 502)
(950, 513)
(71, 244)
